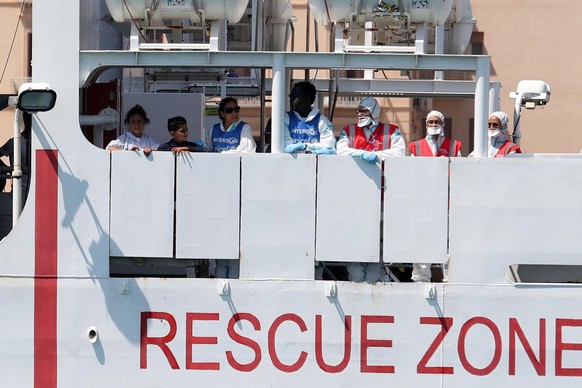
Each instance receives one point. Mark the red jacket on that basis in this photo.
(507, 148)
(379, 140)
(447, 148)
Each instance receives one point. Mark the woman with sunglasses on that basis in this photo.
(499, 145)
(235, 136)
(231, 134)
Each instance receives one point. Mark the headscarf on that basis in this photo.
(372, 105)
(503, 117)
(432, 131)
(497, 142)
(437, 114)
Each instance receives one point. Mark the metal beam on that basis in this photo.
(94, 62)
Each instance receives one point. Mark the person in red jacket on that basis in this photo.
(371, 140)
(435, 143)
(499, 144)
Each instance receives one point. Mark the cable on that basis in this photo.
(133, 20)
(12, 43)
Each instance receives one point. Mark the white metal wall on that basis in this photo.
(348, 209)
(278, 216)
(513, 211)
(416, 210)
(142, 204)
(207, 205)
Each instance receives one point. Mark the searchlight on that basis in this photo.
(36, 97)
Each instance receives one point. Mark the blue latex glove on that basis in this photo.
(295, 147)
(370, 157)
(200, 143)
(322, 150)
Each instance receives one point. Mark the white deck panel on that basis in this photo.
(513, 211)
(142, 204)
(278, 216)
(415, 210)
(348, 209)
(207, 205)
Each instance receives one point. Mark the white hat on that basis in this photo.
(372, 105)
(503, 117)
(437, 114)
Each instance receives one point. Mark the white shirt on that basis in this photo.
(128, 140)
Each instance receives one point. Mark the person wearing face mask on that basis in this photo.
(435, 143)
(499, 144)
(305, 128)
(370, 139)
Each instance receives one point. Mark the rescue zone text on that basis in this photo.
(440, 331)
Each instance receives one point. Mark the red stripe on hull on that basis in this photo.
(45, 281)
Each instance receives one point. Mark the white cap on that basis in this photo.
(503, 117)
(372, 105)
(437, 114)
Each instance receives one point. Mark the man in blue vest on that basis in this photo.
(306, 129)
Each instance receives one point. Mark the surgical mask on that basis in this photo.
(434, 130)
(493, 133)
(364, 121)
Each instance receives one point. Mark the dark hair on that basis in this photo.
(305, 88)
(174, 123)
(225, 101)
(137, 110)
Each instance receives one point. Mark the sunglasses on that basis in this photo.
(362, 111)
(492, 125)
(231, 109)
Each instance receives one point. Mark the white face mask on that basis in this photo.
(493, 132)
(434, 130)
(364, 121)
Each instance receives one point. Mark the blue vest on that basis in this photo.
(304, 132)
(224, 141)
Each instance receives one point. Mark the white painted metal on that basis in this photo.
(416, 210)
(17, 170)
(278, 107)
(348, 209)
(127, 10)
(481, 109)
(18, 321)
(278, 216)
(326, 11)
(161, 106)
(207, 206)
(142, 204)
(523, 210)
(513, 211)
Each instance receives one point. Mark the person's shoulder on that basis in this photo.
(167, 146)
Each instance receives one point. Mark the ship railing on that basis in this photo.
(280, 215)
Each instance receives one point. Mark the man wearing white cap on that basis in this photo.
(435, 143)
(369, 139)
